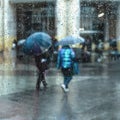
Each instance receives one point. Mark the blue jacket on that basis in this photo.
(65, 58)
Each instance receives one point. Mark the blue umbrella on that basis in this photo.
(37, 43)
(69, 40)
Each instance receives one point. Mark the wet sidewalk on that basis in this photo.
(94, 93)
(19, 75)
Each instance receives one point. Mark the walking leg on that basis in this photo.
(68, 79)
(43, 80)
(38, 82)
(65, 81)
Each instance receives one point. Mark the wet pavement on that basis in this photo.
(94, 93)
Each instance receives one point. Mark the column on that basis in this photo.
(106, 30)
(73, 17)
(9, 24)
(60, 19)
(1, 25)
(118, 28)
(106, 33)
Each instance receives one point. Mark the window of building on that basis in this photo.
(98, 19)
(35, 17)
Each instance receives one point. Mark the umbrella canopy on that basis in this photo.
(37, 43)
(71, 40)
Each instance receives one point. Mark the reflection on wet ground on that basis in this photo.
(94, 93)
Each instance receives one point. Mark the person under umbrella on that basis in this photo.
(38, 45)
(65, 62)
(67, 59)
(41, 63)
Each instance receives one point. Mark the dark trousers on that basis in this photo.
(67, 80)
(41, 78)
(67, 73)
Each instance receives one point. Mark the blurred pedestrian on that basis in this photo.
(42, 65)
(86, 50)
(65, 62)
(55, 49)
(54, 41)
(113, 48)
(14, 44)
(14, 53)
(100, 50)
(113, 42)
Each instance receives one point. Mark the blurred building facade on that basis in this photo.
(97, 19)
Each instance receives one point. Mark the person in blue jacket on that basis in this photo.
(66, 55)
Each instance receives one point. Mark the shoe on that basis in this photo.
(37, 87)
(64, 88)
(45, 85)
